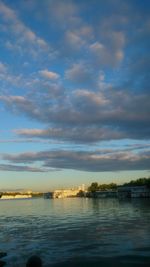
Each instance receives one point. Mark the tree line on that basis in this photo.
(139, 182)
(113, 186)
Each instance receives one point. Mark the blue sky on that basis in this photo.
(74, 92)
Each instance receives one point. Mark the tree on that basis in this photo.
(138, 182)
(103, 187)
(93, 187)
(110, 186)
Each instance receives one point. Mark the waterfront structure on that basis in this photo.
(102, 194)
(120, 192)
(48, 195)
(64, 193)
(133, 192)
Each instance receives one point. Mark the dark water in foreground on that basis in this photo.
(76, 232)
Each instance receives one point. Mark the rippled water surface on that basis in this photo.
(76, 232)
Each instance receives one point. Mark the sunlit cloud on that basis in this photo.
(49, 74)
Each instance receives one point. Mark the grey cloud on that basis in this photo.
(17, 168)
(24, 140)
(77, 135)
(81, 74)
(81, 36)
(74, 40)
(77, 39)
(116, 112)
(73, 134)
(19, 104)
(86, 161)
(28, 157)
(8, 79)
(63, 11)
(104, 55)
(108, 47)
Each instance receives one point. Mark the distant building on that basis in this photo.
(65, 193)
(82, 187)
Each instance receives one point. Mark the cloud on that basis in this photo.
(23, 37)
(79, 38)
(95, 99)
(74, 40)
(73, 134)
(81, 74)
(113, 112)
(107, 48)
(21, 140)
(19, 104)
(75, 32)
(16, 168)
(3, 68)
(7, 13)
(49, 74)
(86, 161)
(63, 11)
(106, 53)
(103, 91)
(8, 79)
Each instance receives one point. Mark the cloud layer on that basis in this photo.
(81, 72)
(93, 161)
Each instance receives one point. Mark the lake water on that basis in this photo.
(76, 231)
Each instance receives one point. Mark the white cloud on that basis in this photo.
(7, 13)
(79, 38)
(23, 36)
(97, 47)
(80, 73)
(49, 74)
(94, 98)
(74, 40)
(3, 68)
(101, 76)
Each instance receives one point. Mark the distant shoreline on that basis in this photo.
(3, 197)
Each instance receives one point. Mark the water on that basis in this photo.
(76, 232)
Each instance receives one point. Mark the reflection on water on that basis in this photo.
(76, 232)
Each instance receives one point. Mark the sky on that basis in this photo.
(74, 92)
